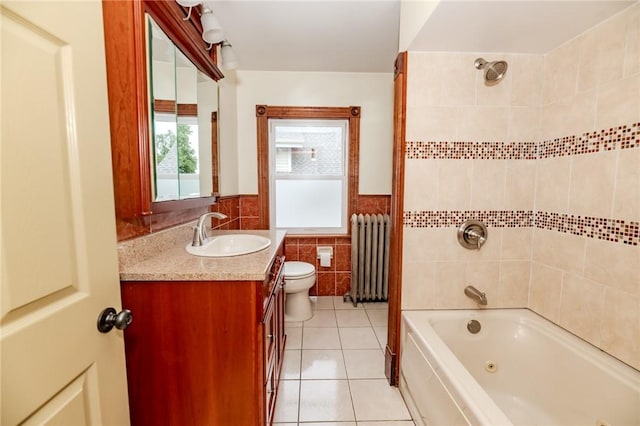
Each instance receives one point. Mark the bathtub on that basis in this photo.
(519, 369)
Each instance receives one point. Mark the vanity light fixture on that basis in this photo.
(190, 4)
(212, 31)
(229, 59)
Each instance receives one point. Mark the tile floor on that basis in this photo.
(333, 369)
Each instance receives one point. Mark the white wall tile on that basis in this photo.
(563, 251)
(483, 124)
(488, 184)
(619, 103)
(621, 326)
(524, 124)
(432, 123)
(514, 284)
(424, 77)
(573, 115)
(632, 54)
(451, 279)
(517, 244)
(560, 72)
(527, 74)
(520, 181)
(626, 203)
(418, 284)
(454, 184)
(421, 185)
(613, 264)
(458, 79)
(582, 307)
(592, 184)
(552, 184)
(545, 291)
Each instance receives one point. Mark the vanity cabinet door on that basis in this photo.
(279, 314)
(273, 337)
(270, 363)
(194, 353)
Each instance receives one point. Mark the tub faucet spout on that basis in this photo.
(475, 294)
(200, 231)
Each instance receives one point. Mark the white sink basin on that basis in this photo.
(230, 245)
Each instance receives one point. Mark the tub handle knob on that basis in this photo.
(472, 234)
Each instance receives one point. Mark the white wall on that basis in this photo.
(228, 135)
(372, 91)
(413, 15)
(207, 100)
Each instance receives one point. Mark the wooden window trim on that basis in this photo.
(265, 112)
(170, 107)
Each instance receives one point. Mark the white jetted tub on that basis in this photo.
(519, 369)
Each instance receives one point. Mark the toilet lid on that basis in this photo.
(298, 269)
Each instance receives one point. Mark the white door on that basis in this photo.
(58, 251)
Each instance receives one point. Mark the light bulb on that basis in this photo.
(188, 3)
(212, 31)
(229, 59)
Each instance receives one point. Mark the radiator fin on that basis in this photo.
(369, 258)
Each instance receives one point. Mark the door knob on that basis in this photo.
(109, 318)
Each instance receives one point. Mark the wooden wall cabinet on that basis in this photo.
(205, 352)
(126, 61)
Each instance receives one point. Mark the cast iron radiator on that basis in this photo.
(369, 258)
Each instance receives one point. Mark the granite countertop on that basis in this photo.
(171, 262)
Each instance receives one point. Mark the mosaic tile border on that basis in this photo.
(445, 218)
(614, 230)
(470, 150)
(620, 137)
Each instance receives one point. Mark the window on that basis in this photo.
(176, 174)
(300, 188)
(308, 175)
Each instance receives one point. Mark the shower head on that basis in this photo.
(493, 71)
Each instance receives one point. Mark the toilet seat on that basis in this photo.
(298, 270)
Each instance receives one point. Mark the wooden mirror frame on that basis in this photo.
(125, 46)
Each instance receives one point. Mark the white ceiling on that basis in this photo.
(516, 26)
(362, 35)
(307, 35)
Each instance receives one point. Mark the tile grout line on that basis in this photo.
(348, 379)
(353, 407)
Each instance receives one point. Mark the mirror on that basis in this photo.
(183, 122)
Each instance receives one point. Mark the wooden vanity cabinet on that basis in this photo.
(205, 352)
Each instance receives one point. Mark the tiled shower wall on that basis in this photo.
(549, 158)
(470, 152)
(586, 274)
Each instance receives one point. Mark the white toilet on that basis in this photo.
(299, 277)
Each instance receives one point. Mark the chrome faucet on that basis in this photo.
(200, 231)
(475, 294)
